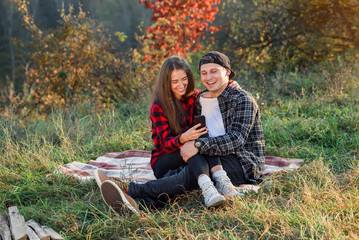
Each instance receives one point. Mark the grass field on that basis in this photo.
(318, 201)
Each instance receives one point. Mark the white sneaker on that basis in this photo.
(212, 198)
(225, 186)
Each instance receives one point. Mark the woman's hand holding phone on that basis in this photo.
(193, 133)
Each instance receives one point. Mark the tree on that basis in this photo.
(124, 16)
(178, 27)
(286, 34)
(8, 61)
(333, 22)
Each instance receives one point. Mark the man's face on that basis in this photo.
(214, 77)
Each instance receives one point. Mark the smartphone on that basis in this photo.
(200, 119)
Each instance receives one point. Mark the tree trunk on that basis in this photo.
(10, 15)
(12, 54)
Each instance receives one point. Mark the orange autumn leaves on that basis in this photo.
(178, 27)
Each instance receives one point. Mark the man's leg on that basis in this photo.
(128, 197)
(157, 192)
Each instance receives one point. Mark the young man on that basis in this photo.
(236, 137)
(235, 113)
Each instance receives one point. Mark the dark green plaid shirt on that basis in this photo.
(244, 134)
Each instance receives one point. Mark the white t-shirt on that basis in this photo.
(214, 120)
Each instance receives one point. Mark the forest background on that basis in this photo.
(75, 83)
(54, 54)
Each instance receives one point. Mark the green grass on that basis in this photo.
(314, 129)
(318, 201)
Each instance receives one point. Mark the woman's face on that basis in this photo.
(179, 83)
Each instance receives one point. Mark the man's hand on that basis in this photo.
(188, 150)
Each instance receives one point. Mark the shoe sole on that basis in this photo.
(219, 201)
(117, 199)
(232, 195)
(100, 177)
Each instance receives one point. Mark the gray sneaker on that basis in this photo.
(212, 198)
(225, 186)
(116, 197)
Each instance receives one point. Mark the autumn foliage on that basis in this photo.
(178, 27)
(77, 60)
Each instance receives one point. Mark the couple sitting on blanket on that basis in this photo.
(228, 151)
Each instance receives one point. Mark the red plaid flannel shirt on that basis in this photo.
(165, 142)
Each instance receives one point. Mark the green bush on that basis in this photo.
(74, 62)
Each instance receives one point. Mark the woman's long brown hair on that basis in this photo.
(163, 95)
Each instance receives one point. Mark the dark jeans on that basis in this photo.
(157, 193)
(173, 161)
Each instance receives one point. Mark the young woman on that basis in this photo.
(172, 115)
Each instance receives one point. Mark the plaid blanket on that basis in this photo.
(134, 165)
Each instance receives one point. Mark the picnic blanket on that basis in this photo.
(134, 165)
